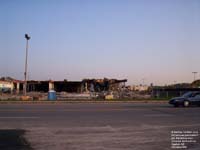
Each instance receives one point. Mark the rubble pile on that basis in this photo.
(37, 95)
(30, 96)
(9, 97)
(73, 96)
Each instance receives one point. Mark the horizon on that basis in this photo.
(141, 41)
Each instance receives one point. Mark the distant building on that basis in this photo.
(10, 85)
(165, 92)
(140, 87)
(6, 86)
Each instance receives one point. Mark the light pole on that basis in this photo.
(143, 81)
(194, 75)
(26, 63)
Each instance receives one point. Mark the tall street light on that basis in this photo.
(26, 63)
(194, 75)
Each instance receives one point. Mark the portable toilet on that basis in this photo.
(52, 95)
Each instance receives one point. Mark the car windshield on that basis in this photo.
(188, 94)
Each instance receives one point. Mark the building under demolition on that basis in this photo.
(85, 89)
(86, 85)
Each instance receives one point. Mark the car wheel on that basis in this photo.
(176, 105)
(186, 103)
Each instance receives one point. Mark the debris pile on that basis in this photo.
(9, 97)
(73, 96)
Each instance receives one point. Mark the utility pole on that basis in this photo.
(194, 75)
(26, 63)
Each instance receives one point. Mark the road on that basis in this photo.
(111, 126)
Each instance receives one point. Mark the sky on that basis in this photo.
(144, 41)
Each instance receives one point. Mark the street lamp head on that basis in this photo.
(27, 37)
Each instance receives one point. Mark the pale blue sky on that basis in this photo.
(158, 40)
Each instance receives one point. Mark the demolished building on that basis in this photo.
(85, 89)
(86, 85)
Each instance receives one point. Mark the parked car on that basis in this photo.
(187, 99)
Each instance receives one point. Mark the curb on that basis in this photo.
(82, 101)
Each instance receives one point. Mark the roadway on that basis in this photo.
(99, 126)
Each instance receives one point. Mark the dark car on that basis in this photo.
(187, 99)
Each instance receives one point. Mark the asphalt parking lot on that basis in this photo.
(87, 126)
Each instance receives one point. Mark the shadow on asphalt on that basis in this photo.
(149, 106)
(13, 139)
(159, 106)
